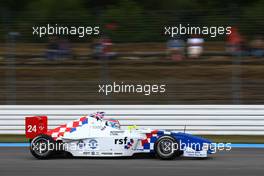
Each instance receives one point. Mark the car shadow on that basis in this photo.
(138, 156)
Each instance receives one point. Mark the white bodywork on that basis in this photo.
(97, 139)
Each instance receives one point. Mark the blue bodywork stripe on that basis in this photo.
(14, 144)
(72, 130)
(247, 145)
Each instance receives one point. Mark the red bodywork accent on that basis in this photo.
(148, 136)
(35, 125)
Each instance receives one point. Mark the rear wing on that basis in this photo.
(35, 126)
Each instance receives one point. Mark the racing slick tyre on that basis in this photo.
(42, 147)
(166, 148)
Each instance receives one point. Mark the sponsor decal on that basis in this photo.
(93, 144)
(86, 153)
(118, 153)
(95, 153)
(81, 144)
(91, 153)
(128, 143)
(116, 133)
(106, 153)
(121, 141)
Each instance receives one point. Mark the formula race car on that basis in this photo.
(96, 136)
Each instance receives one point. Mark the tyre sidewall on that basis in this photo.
(175, 153)
(47, 154)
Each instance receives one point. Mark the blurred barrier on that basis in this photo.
(196, 119)
(122, 54)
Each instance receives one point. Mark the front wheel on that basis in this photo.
(166, 148)
(42, 147)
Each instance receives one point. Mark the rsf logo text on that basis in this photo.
(121, 141)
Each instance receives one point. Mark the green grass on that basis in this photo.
(214, 138)
(13, 138)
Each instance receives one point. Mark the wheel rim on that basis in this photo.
(165, 147)
(40, 146)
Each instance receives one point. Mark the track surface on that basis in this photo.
(18, 161)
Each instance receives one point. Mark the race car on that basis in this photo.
(97, 136)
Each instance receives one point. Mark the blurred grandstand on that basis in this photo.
(28, 76)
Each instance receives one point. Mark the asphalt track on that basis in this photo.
(18, 161)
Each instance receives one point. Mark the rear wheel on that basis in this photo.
(166, 147)
(42, 147)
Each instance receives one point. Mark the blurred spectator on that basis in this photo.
(58, 49)
(102, 48)
(236, 45)
(195, 46)
(64, 49)
(97, 49)
(175, 49)
(52, 48)
(257, 46)
(106, 46)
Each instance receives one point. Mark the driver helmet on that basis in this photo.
(98, 115)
